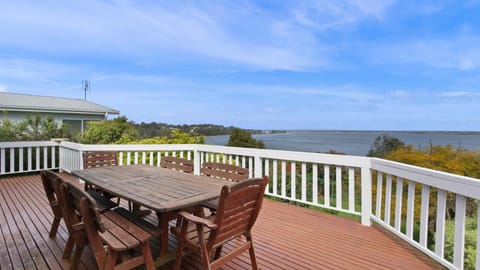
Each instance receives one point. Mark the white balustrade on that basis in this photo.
(409, 201)
(24, 157)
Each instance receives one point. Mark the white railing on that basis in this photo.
(335, 182)
(398, 184)
(24, 157)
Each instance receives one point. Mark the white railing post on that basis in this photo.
(366, 195)
(257, 166)
(196, 162)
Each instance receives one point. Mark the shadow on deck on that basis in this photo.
(285, 237)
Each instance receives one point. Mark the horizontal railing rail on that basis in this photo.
(410, 201)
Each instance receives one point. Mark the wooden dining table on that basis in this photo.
(161, 190)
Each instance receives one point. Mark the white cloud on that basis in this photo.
(460, 94)
(3, 88)
(460, 52)
(241, 33)
(328, 14)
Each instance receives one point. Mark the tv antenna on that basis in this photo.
(86, 87)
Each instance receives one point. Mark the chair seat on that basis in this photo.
(121, 234)
(103, 203)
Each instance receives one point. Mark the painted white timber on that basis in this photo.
(338, 188)
(293, 180)
(315, 183)
(267, 172)
(477, 266)
(366, 190)
(459, 242)
(326, 183)
(466, 186)
(275, 177)
(428, 252)
(424, 216)
(351, 189)
(410, 209)
(388, 199)
(440, 224)
(284, 179)
(378, 209)
(12, 160)
(257, 167)
(304, 181)
(398, 204)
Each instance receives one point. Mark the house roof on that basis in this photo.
(32, 103)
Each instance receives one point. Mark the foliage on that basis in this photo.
(175, 137)
(383, 145)
(242, 138)
(34, 128)
(115, 131)
(470, 241)
(444, 158)
(153, 129)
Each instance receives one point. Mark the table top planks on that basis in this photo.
(159, 189)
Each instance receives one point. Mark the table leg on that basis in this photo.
(165, 256)
(163, 224)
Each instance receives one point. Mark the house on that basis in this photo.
(76, 113)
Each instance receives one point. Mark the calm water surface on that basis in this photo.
(356, 142)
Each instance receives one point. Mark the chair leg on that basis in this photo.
(147, 256)
(252, 252)
(218, 252)
(111, 260)
(77, 254)
(179, 254)
(55, 224)
(67, 252)
(203, 248)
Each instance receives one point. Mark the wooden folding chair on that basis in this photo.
(238, 209)
(88, 226)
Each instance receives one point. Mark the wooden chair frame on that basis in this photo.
(239, 206)
(224, 171)
(176, 163)
(87, 226)
(98, 159)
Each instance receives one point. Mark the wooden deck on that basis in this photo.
(286, 237)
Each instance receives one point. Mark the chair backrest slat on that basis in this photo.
(95, 159)
(224, 171)
(238, 209)
(176, 163)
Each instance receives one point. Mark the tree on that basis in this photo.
(383, 145)
(115, 131)
(34, 128)
(242, 138)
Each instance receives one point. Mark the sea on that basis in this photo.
(356, 142)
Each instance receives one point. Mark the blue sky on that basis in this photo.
(326, 64)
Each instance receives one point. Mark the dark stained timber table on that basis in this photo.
(164, 191)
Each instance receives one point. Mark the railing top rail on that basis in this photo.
(127, 147)
(329, 159)
(27, 144)
(462, 185)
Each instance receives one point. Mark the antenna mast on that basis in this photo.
(85, 87)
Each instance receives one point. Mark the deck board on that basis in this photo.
(285, 237)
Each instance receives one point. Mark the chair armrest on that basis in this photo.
(197, 220)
